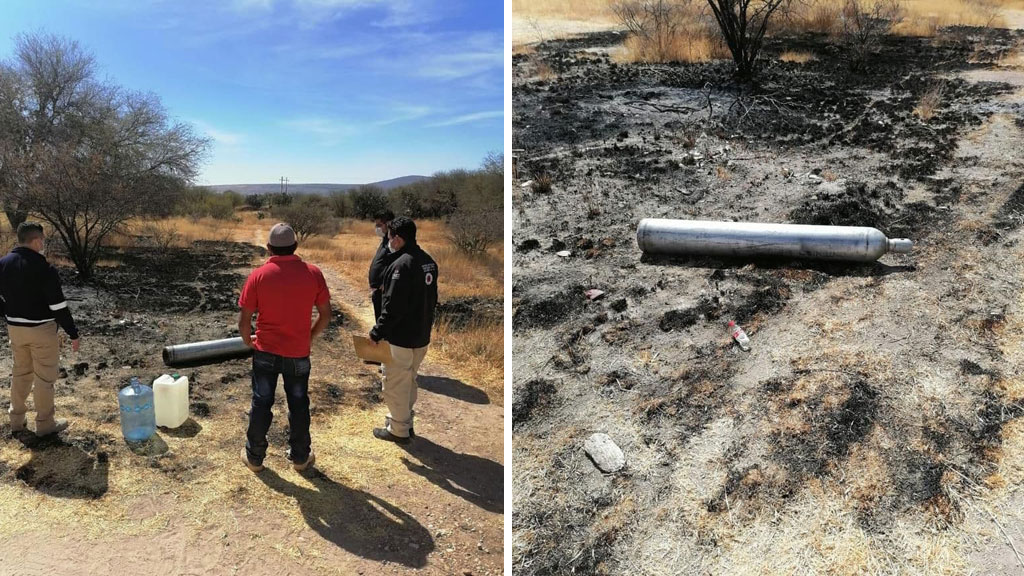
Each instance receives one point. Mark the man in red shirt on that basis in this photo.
(283, 292)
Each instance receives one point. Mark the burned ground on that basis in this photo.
(185, 497)
(876, 400)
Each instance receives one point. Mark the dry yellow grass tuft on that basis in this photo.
(797, 57)
(930, 102)
(544, 71)
(695, 45)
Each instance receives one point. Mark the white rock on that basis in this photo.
(607, 456)
(563, 254)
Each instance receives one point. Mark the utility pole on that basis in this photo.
(286, 185)
(282, 184)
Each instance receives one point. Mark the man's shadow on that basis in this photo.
(473, 478)
(63, 470)
(453, 389)
(357, 521)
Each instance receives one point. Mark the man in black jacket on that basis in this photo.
(34, 305)
(405, 321)
(380, 260)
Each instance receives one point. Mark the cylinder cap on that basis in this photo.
(901, 245)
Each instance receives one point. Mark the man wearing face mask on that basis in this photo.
(380, 259)
(34, 305)
(405, 321)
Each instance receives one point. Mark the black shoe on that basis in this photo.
(385, 434)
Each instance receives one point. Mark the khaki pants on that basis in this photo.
(400, 387)
(36, 354)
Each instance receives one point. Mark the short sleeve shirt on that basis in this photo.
(283, 292)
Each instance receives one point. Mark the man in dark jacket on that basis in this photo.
(34, 305)
(405, 321)
(380, 260)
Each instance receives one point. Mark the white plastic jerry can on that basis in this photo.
(170, 395)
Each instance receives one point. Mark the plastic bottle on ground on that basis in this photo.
(739, 336)
(138, 418)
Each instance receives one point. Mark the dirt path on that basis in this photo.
(183, 504)
(1000, 517)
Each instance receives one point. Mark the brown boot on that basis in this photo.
(252, 467)
(17, 424)
(305, 465)
(52, 427)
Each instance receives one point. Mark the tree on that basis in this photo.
(340, 204)
(308, 217)
(494, 163)
(367, 201)
(85, 155)
(254, 201)
(655, 23)
(864, 22)
(40, 91)
(474, 231)
(743, 24)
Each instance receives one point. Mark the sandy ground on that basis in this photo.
(89, 504)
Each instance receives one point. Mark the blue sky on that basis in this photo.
(344, 91)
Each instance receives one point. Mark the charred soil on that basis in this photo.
(876, 399)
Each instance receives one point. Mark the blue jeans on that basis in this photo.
(265, 369)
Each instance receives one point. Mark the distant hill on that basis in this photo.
(322, 189)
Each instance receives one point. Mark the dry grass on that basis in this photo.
(474, 353)
(930, 102)
(545, 72)
(921, 18)
(698, 44)
(523, 50)
(797, 57)
(564, 9)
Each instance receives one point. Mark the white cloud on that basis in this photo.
(246, 5)
(448, 58)
(404, 114)
(468, 118)
(220, 136)
(329, 131)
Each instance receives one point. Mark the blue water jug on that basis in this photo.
(138, 418)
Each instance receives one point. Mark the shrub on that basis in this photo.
(220, 207)
(930, 102)
(161, 235)
(309, 217)
(541, 184)
(254, 201)
(340, 203)
(197, 202)
(864, 22)
(474, 231)
(367, 201)
(235, 198)
(667, 31)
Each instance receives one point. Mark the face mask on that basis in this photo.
(391, 245)
(379, 231)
